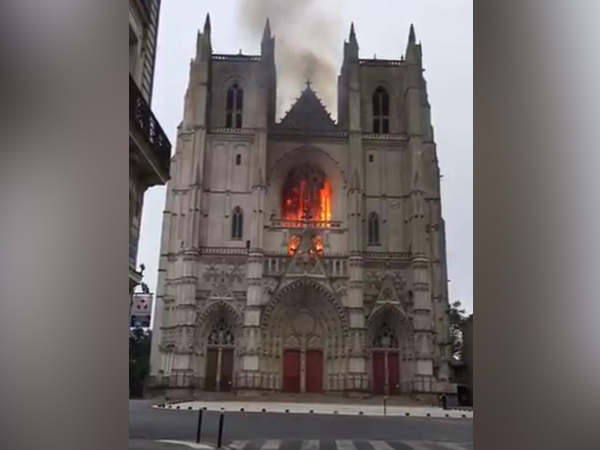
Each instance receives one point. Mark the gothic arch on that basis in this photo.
(235, 315)
(384, 315)
(336, 176)
(318, 288)
(395, 310)
(306, 154)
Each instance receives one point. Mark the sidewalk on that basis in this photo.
(360, 409)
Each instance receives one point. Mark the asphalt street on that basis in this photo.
(148, 425)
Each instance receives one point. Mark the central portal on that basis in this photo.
(303, 371)
(304, 339)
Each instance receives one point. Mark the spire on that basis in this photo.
(413, 52)
(207, 27)
(352, 33)
(198, 44)
(204, 45)
(351, 48)
(267, 32)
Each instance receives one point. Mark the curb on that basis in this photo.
(442, 414)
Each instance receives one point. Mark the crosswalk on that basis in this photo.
(347, 445)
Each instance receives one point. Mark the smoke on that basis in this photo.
(307, 45)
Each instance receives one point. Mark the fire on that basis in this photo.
(293, 244)
(316, 241)
(318, 244)
(306, 195)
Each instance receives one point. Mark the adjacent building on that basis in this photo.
(467, 355)
(149, 147)
(303, 255)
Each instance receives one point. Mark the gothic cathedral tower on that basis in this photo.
(304, 255)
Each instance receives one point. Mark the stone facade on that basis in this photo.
(149, 147)
(304, 255)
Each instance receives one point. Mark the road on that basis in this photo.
(257, 431)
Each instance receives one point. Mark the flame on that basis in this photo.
(302, 202)
(293, 244)
(318, 244)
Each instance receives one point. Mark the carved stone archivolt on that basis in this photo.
(218, 324)
(305, 315)
(388, 327)
(305, 288)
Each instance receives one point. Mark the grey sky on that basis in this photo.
(445, 28)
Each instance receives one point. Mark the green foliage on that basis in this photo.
(457, 319)
(139, 360)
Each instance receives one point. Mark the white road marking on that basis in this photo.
(271, 445)
(310, 445)
(417, 445)
(238, 445)
(345, 445)
(450, 446)
(189, 444)
(381, 445)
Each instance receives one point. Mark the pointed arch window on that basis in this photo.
(381, 111)
(373, 229)
(237, 223)
(235, 106)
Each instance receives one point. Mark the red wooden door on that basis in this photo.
(227, 370)
(210, 383)
(394, 373)
(379, 373)
(314, 371)
(291, 371)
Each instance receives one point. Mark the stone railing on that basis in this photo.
(385, 137)
(316, 224)
(381, 62)
(335, 266)
(238, 58)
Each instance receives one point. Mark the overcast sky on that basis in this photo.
(445, 28)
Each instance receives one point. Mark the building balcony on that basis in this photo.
(149, 147)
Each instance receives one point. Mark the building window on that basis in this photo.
(373, 229)
(238, 160)
(381, 111)
(371, 158)
(237, 223)
(235, 106)
(134, 49)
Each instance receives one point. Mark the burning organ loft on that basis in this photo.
(303, 255)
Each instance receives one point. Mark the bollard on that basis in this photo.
(199, 429)
(221, 421)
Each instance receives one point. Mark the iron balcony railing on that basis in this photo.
(141, 116)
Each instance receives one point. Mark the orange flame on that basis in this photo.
(299, 204)
(293, 244)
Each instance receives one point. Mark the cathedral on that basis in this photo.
(303, 255)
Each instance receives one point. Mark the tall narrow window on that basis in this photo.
(237, 223)
(373, 229)
(235, 106)
(381, 111)
(238, 159)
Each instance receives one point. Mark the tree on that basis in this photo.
(457, 320)
(139, 360)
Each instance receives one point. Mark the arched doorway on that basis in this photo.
(304, 335)
(219, 339)
(389, 339)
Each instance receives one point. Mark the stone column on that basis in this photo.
(356, 333)
(251, 329)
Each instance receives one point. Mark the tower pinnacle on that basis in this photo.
(267, 33)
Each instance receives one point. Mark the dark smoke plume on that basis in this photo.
(307, 45)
